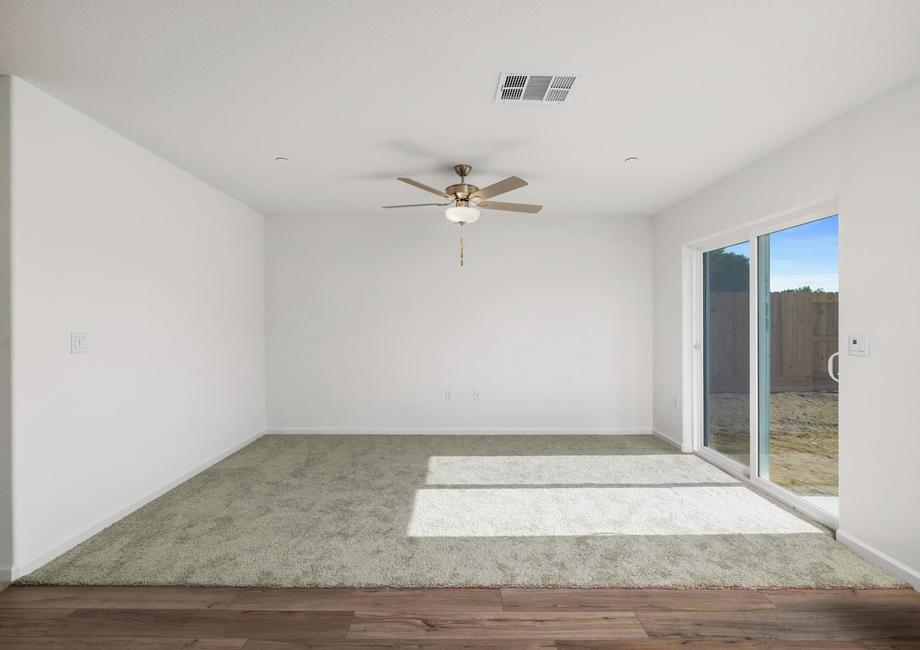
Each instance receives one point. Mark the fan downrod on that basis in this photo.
(463, 171)
(461, 191)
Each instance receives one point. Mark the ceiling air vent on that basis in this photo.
(538, 88)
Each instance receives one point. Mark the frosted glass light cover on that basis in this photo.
(462, 214)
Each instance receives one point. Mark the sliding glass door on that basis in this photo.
(797, 271)
(726, 365)
(793, 399)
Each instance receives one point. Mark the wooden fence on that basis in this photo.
(803, 335)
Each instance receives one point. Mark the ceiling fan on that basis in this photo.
(465, 199)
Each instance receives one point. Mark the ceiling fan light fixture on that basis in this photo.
(462, 214)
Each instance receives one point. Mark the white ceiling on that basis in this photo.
(356, 92)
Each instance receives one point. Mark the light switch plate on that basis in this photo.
(79, 342)
(858, 345)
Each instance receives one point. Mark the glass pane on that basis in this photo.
(726, 351)
(797, 334)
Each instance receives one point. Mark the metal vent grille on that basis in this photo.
(563, 82)
(536, 88)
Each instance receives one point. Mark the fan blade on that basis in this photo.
(510, 183)
(412, 205)
(511, 207)
(422, 186)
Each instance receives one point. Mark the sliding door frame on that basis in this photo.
(694, 381)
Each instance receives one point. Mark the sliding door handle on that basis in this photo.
(830, 367)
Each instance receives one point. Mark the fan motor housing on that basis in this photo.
(461, 190)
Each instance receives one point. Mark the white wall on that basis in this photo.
(870, 159)
(166, 275)
(371, 319)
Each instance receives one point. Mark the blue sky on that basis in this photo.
(806, 255)
(742, 249)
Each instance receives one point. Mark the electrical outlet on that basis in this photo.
(476, 394)
(448, 396)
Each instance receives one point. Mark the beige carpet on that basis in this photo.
(460, 511)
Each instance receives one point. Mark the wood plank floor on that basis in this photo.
(167, 618)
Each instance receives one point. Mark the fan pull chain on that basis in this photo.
(461, 244)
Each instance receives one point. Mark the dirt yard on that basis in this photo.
(803, 438)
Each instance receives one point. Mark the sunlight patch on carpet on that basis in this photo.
(554, 512)
(572, 470)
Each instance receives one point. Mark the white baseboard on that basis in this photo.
(686, 449)
(25, 568)
(891, 565)
(477, 431)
